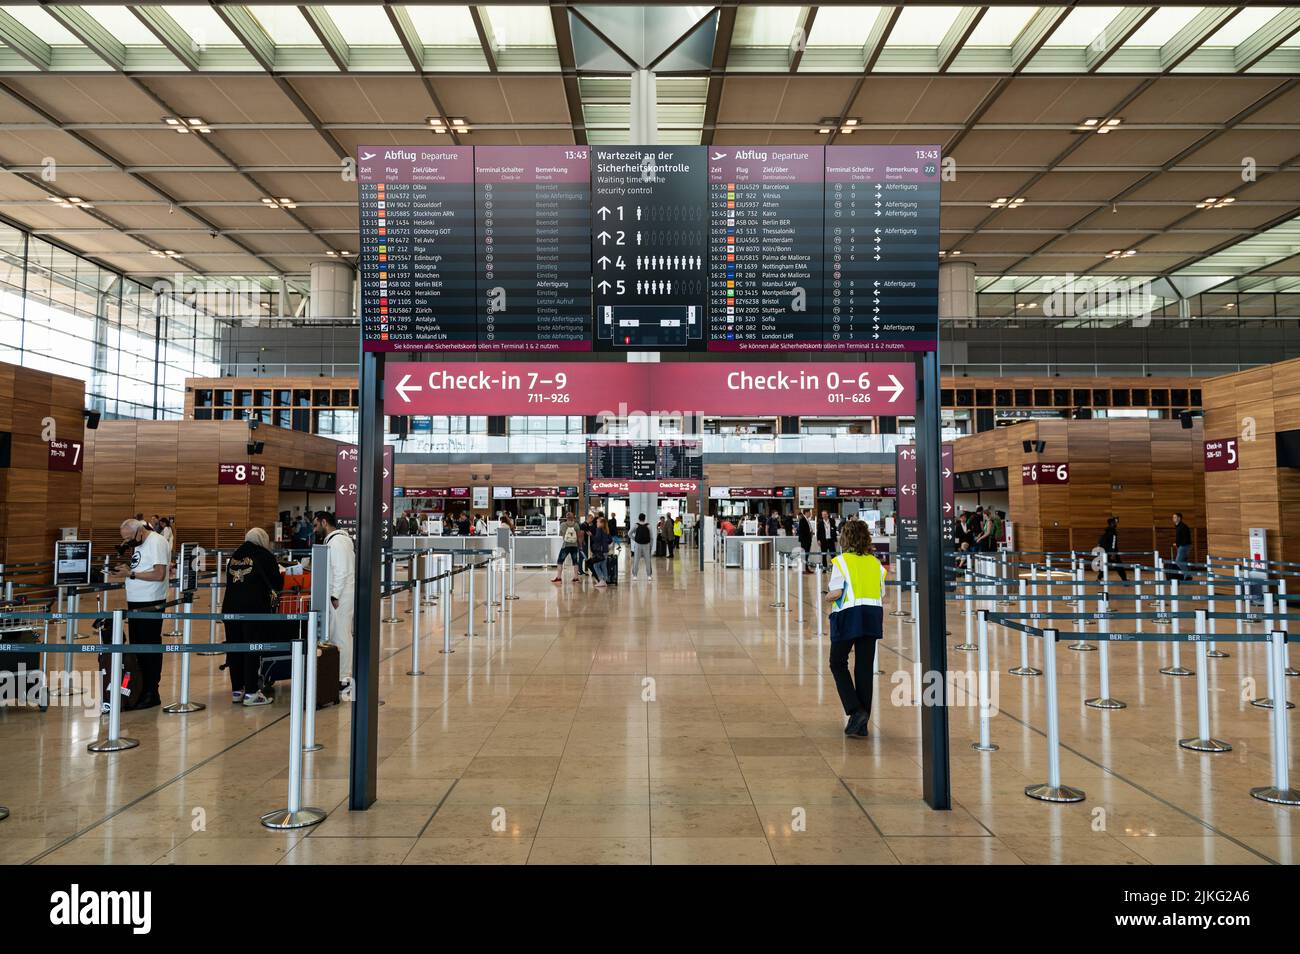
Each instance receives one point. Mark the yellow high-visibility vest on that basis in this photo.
(864, 580)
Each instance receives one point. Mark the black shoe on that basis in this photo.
(149, 700)
(856, 721)
(862, 732)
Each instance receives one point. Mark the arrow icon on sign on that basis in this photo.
(603, 286)
(603, 212)
(947, 473)
(896, 387)
(947, 507)
(603, 261)
(604, 237)
(402, 387)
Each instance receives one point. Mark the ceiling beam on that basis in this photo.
(1198, 29)
(962, 27)
(881, 27)
(322, 24)
(1266, 39)
(1036, 33)
(92, 33)
(569, 70)
(799, 42)
(24, 42)
(483, 27)
(1116, 33)
(170, 34)
(244, 25)
(414, 47)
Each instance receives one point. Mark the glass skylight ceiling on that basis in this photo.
(1188, 39)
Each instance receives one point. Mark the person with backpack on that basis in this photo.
(569, 550)
(856, 596)
(642, 547)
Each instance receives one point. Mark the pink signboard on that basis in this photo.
(241, 473)
(1039, 473)
(65, 455)
(1221, 454)
(496, 388)
(345, 482)
(613, 485)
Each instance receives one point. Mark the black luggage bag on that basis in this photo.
(275, 669)
(131, 687)
(611, 569)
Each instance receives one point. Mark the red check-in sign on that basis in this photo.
(875, 389)
(1221, 454)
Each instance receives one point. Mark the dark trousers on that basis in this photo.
(142, 632)
(855, 690)
(1110, 565)
(243, 667)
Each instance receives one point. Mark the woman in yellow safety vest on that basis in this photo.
(857, 589)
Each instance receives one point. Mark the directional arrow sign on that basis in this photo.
(403, 388)
(603, 212)
(895, 386)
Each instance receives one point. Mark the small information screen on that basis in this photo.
(72, 563)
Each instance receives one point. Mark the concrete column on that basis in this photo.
(331, 290)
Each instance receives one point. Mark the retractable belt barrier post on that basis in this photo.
(311, 641)
(446, 606)
(415, 669)
(1104, 700)
(1052, 790)
(1176, 667)
(490, 572)
(985, 743)
(902, 585)
(294, 815)
(778, 561)
(1204, 740)
(390, 566)
(817, 599)
(1267, 701)
(1280, 792)
(968, 610)
(512, 595)
(1024, 669)
(1286, 649)
(114, 742)
(185, 706)
(469, 613)
(799, 575)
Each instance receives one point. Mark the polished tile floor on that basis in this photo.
(682, 721)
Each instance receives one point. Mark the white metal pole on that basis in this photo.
(1052, 790)
(310, 642)
(415, 669)
(985, 743)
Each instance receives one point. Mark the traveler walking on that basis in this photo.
(568, 551)
(1182, 543)
(857, 622)
(600, 543)
(342, 588)
(1109, 543)
(642, 547)
(253, 583)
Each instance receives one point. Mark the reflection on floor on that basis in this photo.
(678, 721)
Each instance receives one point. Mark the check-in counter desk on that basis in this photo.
(733, 549)
(530, 549)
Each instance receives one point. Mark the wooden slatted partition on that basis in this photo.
(1252, 406)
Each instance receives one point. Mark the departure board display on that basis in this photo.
(882, 248)
(681, 248)
(416, 214)
(534, 244)
(645, 460)
(680, 460)
(765, 248)
(649, 247)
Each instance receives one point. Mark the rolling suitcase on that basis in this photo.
(275, 669)
(611, 569)
(131, 686)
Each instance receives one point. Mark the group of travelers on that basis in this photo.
(589, 543)
(252, 582)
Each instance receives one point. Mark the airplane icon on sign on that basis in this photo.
(368, 155)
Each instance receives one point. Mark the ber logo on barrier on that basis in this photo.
(671, 387)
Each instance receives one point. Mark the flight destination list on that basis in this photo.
(416, 213)
(765, 248)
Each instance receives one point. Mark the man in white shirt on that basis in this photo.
(343, 578)
(146, 591)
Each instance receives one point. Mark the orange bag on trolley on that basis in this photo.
(295, 597)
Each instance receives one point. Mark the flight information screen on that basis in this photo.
(628, 460)
(682, 248)
(680, 460)
(416, 213)
(765, 248)
(534, 244)
(649, 247)
(882, 248)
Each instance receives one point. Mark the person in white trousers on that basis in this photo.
(343, 578)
